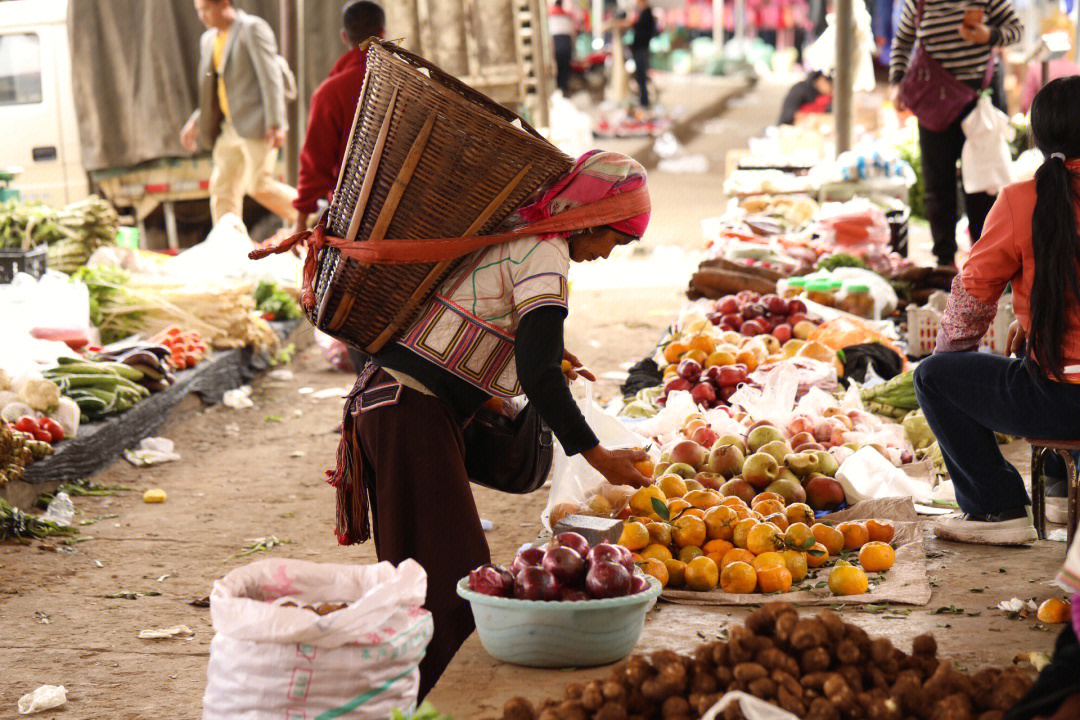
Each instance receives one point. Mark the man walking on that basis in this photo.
(333, 106)
(241, 112)
(644, 32)
(561, 27)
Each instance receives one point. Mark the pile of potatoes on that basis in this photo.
(818, 668)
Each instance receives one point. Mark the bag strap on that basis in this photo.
(920, 5)
(988, 77)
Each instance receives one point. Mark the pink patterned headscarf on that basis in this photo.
(596, 175)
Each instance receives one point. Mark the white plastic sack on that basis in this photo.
(986, 160)
(821, 55)
(867, 475)
(45, 697)
(269, 662)
(573, 477)
(752, 708)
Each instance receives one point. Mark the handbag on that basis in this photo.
(932, 93)
(509, 455)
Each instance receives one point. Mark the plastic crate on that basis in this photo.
(924, 323)
(13, 262)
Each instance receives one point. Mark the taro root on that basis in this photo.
(611, 711)
(784, 626)
(822, 709)
(790, 701)
(763, 688)
(573, 691)
(924, 645)
(638, 671)
(592, 696)
(613, 691)
(847, 652)
(1011, 687)
(637, 704)
(774, 659)
(815, 680)
(719, 653)
(657, 690)
(572, 710)
(852, 676)
(518, 709)
(815, 660)
(549, 714)
(881, 650)
(839, 693)
(675, 706)
(832, 622)
(885, 709)
(749, 672)
(877, 678)
(763, 620)
(703, 681)
(908, 690)
(809, 633)
(724, 675)
(955, 707)
(993, 715)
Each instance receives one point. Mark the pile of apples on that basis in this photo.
(752, 314)
(567, 570)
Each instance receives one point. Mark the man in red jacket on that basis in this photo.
(333, 106)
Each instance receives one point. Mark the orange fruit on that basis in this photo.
(702, 574)
(676, 572)
(738, 578)
(768, 507)
(764, 538)
(703, 343)
(689, 553)
(799, 513)
(676, 506)
(598, 506)
(720, 522)
(774, 579)
(699, 356)
(671, 372)
(674, 351)
(876, 556)
(659, 552)
(737, 555)
(796, 563)
(1054, 611)
(797, 535)
(846, 579)
(720, 358)
(763, 496)
(742, 529)
(818, 561)
(748, 359)
(703, 499)
(855, 534)
(693, 426)
(672, 486)
(696, 512)
(645, 467)
(657, 569)
(742, 512)
(767, 560)
(779, 520)
(880, 530)
(560, 511)
(641, 501)
(717, 546)
(689, 530)
(830, 537)
(635, 536)
(734, 502)
(659, 533)
(636, 558)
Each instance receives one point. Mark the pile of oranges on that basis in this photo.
(711, 348)
(699, 539)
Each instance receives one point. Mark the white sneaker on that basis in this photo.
(1057, 510)
(1004, 528)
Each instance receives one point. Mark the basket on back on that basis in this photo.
(429, 157)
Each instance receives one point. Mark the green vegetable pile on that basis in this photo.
(425, 712)
(15, 524)
(98, 388)
(893, 399)
(107, 289)
(72, 234)
(839, 260)
(270, 299)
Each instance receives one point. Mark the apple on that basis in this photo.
(745, 297)
(752, 328)
(734, 320)
(727, 305)
(802, 438)
(766, 324)
(823, 493)
(805, 447)
(740, 488)
(726, 460)
(796, 318)
(761, 436)
(709, 480)
(677, 385)
(689, 453)
(729, 375)
(727, 391)
(753, 310)
(714, 318)
(703, 393)
(712, 374)
(800, 424)
(690, 370)
(796, 305)
(775, 304)
(704, 436)
(782, 332)
(761, 470)
(572, 540)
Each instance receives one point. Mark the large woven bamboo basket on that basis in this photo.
(429, 157)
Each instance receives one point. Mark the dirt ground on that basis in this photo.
(259, 472)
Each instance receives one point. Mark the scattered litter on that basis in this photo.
(1058, 535)
(282, 374)
(163, 578)
(486, 525)
(1037, 660)
(179, 631)
(297, 454)
(129, 595)
(259, 545)
(272, 418)
(335, 392)
(152, 451)
(232, 429)
(97, 563)
(45, 697)
(239, 398)
(61, 510)
(200, 602)
(42, 617)
(1016, 605)
(306, 390)
(154, 495)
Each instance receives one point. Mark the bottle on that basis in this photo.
(792, 287)
(821, 291)
(857, 301)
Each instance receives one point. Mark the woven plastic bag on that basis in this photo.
(273, 662)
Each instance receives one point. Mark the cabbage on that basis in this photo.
(918, 430)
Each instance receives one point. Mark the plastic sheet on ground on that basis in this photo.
(906, 582)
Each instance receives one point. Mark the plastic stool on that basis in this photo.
(1064, 448)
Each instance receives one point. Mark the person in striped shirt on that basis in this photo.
(960, 35)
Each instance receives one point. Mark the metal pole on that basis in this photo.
(842, 80)
(718, 25)
(288, 48)
(740, 23)
(598, 22)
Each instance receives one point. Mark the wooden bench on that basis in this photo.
(1064, 448)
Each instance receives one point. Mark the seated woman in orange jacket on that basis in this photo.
(1030, 239)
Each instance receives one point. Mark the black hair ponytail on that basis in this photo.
(1055, 292)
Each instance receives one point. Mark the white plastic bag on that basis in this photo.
(573, 477)
(269, 662)
(45, 697)
(986, 161)
(752, 708)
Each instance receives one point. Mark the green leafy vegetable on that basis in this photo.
(269, 298)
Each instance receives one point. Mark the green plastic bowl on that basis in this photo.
(556, 634)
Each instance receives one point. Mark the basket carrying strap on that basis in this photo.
(408, 252)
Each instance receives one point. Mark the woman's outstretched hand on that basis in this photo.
(572, 368)
(618, 465)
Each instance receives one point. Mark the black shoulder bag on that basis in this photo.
(508, 455)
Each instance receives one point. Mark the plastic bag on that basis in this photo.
(45, 697)
(752, 708)
(576, 488)
(986, 160)
(867, 475)
(269, 662)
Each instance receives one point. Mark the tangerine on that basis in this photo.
(702, 574)
(717, 546)
(703, 499)
(748, 359)
(636, 558)
(742, 530)
(764, 538)
(846, 579)
(699, 356)
(703, 343)
(720, 522)
(779, 520)
(676, 572)
(720, 358)
(657, 569)
(635, 536)
(598, 505)
(855, 534)
(659, 533)
(797, 535)
(763, 496)
(672, 486)
(659, 552)
(880, 530)
(645, 467)
(830, 537)
(560, 511)
(742, 512)
(641, 501)
(738, 578)
(690, 552)
(768, 560)
(674, 351)
(1054, 611)
(799, 513)
(696, 512)
(689, 530)
(796, 562)
(774, 579)
(693, 426)
(676, 506)
(816, 561)
(876, 556)
(768, 507)
(733, 501)
(737, 555)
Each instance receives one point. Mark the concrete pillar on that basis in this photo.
(844, 73)
(718, 24)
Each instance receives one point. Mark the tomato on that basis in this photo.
(55, 429)
(27, 424)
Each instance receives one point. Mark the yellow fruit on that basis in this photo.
(846, 579)
(764, 538)
(720, 522)
(657, 569)
(702, 574)
(717, 546)
(560, 511)
(742, 530)
(737, 555)
(659, 533)
(597, 505)
(774, 579)
(830, 537)
(779, 520)
(1054, 611)
(877, 556)
(799, 513)
(855, 534)
(154, 496)
(720, 358)
(768, 559)
(699, 356)
(734, 502)
(797, 535)
(763, 496)
(703, 499)
(641, 501)
(689, 553)
(880, 530)
(645, 467)
(676, 572)
(689, 530)
(768, 507)
(674, 351)
(738, 578)
(695, 512)
(676, 506)
(819, 560)
(658, 552)
(796, 563)
(635, 536)
(672, 486)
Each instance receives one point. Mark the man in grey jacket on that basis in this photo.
(241, 112)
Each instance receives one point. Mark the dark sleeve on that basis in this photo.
(538, 348)
(800, 94)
